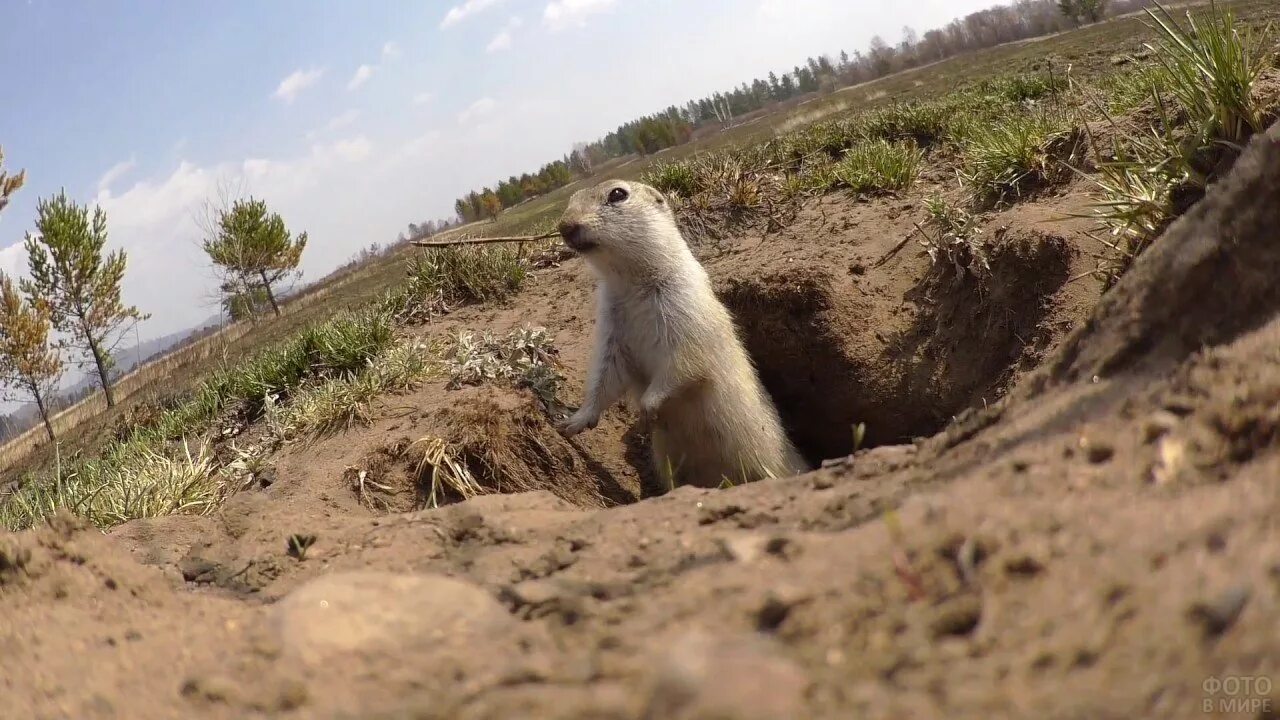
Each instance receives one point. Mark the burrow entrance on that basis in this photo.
(832, 357)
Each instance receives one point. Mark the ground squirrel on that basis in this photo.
(666, 341)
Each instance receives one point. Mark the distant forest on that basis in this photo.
(676, 125)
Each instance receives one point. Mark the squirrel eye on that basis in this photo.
(617, 195)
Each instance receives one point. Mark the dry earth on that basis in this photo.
(1070, 511)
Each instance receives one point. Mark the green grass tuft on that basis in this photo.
(1006, 159)
(1211, 66)
(879, 166)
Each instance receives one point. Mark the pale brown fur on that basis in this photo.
(665, 340)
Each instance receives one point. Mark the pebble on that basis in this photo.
(1217, 615)
(700, 677)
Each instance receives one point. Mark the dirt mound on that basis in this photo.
(478, 440)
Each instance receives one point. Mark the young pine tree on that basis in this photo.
(28, 360)
(77, 284)
(253, 246)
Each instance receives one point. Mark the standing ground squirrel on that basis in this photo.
(664, 339)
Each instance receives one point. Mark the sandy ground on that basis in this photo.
(1069, 510)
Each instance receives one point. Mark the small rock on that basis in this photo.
(1024, 563)
(782, 547)
(532, 593)
(14, 559)
(1158, 424)
(198, 569)
(709, 515)
(335, 616)
(1098, 452)
(745, 548)
(291, 695)
(467, 526)
(1171, 463)
(1217, 616)
(958, 617)
(741, 678)
(776, 607)
(823, 481)
(211, 689)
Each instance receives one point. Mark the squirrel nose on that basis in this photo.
(569, 231)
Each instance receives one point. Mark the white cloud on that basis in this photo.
(502, 41)
(422, 99)
(390, 51)
(13, 260)
(363, 73)
(561, 14)
(115, 172)
(477, 110)
(296, 82)
(461, 11)
(335, 123)
(418, 147)
(352, 149)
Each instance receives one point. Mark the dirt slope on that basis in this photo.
(1098, 544)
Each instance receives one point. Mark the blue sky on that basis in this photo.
(353, 119)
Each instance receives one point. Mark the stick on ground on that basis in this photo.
(485, 240)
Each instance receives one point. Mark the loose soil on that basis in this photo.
(1063, 507)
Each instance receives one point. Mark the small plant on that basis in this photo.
(1007, 159)
(523, 358)
(879, 166)
(1211, 67)
(675, 178)
(954, 242)
(859, 436)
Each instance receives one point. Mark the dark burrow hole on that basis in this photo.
(826, 374)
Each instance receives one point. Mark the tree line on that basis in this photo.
(677, 125)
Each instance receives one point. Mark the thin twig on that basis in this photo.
(896, 248)
(484, 240)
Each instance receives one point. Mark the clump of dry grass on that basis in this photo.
(443, 472)
(440, 279)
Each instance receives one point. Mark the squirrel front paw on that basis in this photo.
(576, 423)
